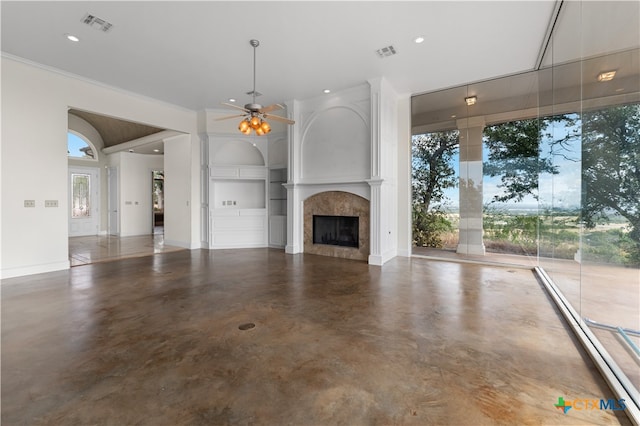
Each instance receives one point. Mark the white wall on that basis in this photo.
(177, 188)
(136, 205)
(34, 160)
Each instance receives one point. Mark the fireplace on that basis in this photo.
(336, 230)
(343, 230)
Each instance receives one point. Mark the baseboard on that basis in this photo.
(182, 244)
(292, 249)
(34, 269)
(404, 253)
(243, 246)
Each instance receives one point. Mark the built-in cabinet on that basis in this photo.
(277, 207)
(245, 200)
(238, 208)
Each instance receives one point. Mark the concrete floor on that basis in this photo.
(106, 248)
(155, 340)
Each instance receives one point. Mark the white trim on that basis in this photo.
(404, 253)
(34, 269)
(183, 244)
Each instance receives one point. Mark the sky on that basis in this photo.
(74, 144)
(562, 190)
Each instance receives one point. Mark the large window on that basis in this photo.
(554, 155)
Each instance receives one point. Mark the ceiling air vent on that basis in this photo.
(386, 51)
(96, 23)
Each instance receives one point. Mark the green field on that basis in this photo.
(558, 236)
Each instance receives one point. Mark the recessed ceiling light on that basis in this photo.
(620, 89)
(471, 100)
(71, 37)
(606, 76)
(453, 116)
(131, 150)
(156, 150)
(232, 99)
(418, 39)
(326, 91)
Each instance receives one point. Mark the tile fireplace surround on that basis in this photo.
(337, 203)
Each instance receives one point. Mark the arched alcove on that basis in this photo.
(238, 153)
(337, 145)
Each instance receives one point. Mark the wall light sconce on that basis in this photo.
(606, 76)
(471, 100)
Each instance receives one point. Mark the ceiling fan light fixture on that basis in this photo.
(244, 126)
(255, 115)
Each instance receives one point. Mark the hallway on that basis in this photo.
(156, 340)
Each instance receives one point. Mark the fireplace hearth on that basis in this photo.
(346, 234)
(336, 230)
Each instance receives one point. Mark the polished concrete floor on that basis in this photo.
(106, 248)
(607, 294)
(156, 340)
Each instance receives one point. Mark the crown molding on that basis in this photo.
(77, 77)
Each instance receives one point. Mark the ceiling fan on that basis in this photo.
(254, 114)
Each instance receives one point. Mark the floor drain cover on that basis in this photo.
(247, 326)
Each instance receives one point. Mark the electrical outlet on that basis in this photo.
(51, 203)
(29, 203)
(224, 203)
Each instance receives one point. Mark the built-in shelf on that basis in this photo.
(277, 207)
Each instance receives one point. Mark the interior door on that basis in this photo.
(114, 218)
(84, 198)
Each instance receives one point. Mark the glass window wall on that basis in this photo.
(548, 172)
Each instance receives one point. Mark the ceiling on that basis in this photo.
(115, 131)
(588, 38)
(197, 54)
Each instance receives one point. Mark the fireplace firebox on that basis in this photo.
(336, 230)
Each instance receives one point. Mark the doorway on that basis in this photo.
(112, 188)
(157, 189)
(84, 200)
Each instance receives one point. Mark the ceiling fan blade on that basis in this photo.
(235, 106)
(271, 108)
(226, 117)
(278, 118)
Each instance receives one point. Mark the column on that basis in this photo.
(470, 228)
